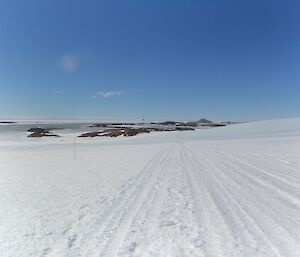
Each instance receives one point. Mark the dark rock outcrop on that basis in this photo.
(114, 133)
(98, 125)
(168, 123)
(42, 135)
(104, 133)
(90, 134)
(213, 125)
(205, 121)
(135, 131)
(40, 132)
(184, 128)
(8, 122)
(127, 132)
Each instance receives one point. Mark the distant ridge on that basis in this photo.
(205, 121)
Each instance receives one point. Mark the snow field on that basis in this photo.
(160, 195)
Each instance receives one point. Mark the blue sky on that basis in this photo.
(128, 59)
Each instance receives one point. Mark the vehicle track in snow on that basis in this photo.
(80, 241)
(156, 217)
(196, 201)
(135, 203)
(248, 206)
(238, 234)
(168, 225)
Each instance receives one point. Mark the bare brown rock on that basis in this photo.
(90, 134)
(41, 132)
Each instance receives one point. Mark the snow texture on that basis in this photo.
(231, 191)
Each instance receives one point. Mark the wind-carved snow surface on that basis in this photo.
(232, 191)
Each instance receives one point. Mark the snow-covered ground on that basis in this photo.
(232, 191)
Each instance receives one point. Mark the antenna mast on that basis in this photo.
(74, 136)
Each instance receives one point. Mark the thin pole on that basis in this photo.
(74, 136)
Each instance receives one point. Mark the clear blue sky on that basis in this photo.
(168, 59)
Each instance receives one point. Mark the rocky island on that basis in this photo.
(8, 122)
(41, 132)
(129, 129)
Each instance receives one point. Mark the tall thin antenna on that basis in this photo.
(74, 136)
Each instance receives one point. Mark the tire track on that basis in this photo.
(277, 179)
(88, 240)
(244, 229)
(266, 200)
(205, 211)
(169, 225)
(262, 226)
(117, 225)
(264, 183)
